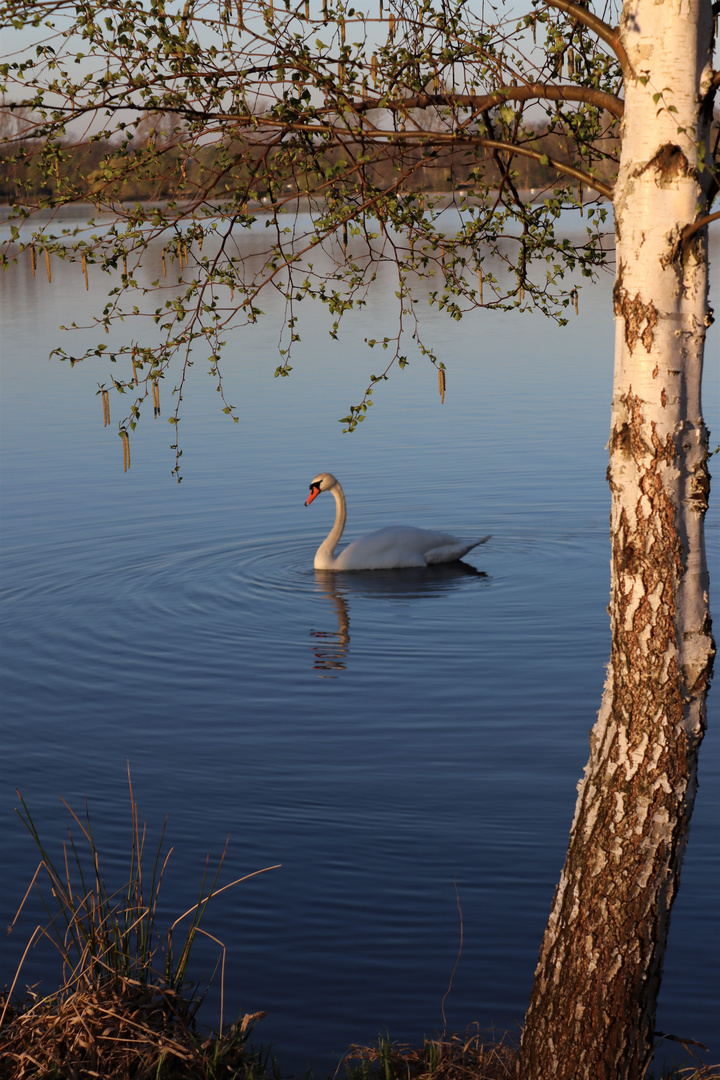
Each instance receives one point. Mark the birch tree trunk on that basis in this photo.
(592, 1009)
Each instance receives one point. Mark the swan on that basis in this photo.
(386, 549)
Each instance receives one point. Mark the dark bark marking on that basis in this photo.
(618, 290)
(648, 334)
(700, 488)
(640, 319)
(620, 439)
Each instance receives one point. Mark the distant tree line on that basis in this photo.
(155, 166)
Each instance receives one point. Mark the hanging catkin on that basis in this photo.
(106, 408)
(156, 398)
(126, 450)
(33, 259)
(441, 384)
(84, 270)
(47, 265)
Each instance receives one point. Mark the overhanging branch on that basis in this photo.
(609, 34)
(479, 103)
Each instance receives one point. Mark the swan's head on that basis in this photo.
(324, 481)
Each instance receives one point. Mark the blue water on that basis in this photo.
(380, 736)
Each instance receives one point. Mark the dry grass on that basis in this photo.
(472, 1056)
(692, 1072)
(126, 1008)
(120, 1032)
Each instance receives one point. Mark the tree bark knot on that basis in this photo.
(640, 319)
(670, 163)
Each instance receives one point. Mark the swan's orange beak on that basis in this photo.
(314, 492)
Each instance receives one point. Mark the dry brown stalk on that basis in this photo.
(472, 1056)
(123, 1033)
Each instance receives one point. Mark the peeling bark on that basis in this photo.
(592, 1009)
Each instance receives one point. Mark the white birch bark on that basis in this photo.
(593, 1005)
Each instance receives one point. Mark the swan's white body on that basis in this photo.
(386, 549)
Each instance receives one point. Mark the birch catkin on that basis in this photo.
(441, 384)
(47, 265)
(106, 407)
(126, 450)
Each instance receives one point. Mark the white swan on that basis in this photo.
(386, 549)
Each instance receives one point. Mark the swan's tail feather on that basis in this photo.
(451, 552)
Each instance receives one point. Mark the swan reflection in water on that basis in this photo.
(331, 647)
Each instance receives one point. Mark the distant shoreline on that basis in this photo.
(291, 205)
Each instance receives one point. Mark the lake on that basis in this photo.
(385, 737)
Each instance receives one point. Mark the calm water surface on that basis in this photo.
(383, 735)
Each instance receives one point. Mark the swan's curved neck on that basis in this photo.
(325, 556)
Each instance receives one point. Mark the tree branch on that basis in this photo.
(435, 138)
(690, 230)
(609, 34)
(550, 91)
(560, 166)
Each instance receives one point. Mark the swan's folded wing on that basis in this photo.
(402, 546)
